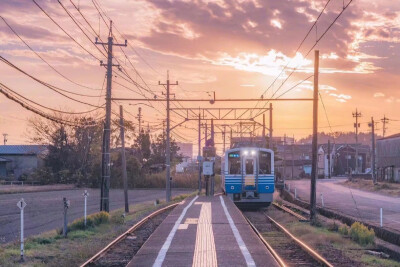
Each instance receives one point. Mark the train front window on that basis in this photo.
(234, 163)
(249, 166)
(265, 163)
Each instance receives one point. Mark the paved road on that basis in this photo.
(357, 203)
(44, 210)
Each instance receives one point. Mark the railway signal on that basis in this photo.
(85, 195)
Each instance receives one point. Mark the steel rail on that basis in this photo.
(304, 246)
(283, 208)
(124, 235)
(273, 252)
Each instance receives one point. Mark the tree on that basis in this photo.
(158, 149)
(142, 146)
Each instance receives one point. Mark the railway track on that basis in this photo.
(122, 249)
(285, 247)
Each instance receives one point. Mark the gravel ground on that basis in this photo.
(44, 210)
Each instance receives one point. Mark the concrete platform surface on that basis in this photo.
(204, 231)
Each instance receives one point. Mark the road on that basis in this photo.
(44, 210)
(357, 203)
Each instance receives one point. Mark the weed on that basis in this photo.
(91, 221)
(362, 234)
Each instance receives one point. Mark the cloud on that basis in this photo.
(379, 94)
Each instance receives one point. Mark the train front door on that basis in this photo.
(249, 173)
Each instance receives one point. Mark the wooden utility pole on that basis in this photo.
(329, 158)
(373, 163)
(139, 117)
(293, 158)
(224, 136)
(314, 172)
(284, 159)
(168, 152)
(263, 133)
(356, 125)
(123, 158)
(106, 162)
(384, 121)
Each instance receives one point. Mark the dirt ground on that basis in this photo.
(383, 188)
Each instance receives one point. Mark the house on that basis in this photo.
(388, 158)
(17, 160)
(296, 157)
(326, 155)
(345, 158)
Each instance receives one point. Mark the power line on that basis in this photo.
(51, 87)
(41, 113)
(40, 105)
(45, 61)
(59, 26)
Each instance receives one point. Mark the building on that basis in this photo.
(186, 149)
(17, 160)
(388, 158)
(293, 157)
(326, 156)
(345, 159)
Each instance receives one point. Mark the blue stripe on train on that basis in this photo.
(232, 188)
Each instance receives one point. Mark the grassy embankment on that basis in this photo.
(338, 243)
(383, 188)
(52, 249)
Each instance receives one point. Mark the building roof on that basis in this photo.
(390, 137)
(22, 149)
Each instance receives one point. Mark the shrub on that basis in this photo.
(333, 227)
(362, 234)
(344, 230)
(91, 221)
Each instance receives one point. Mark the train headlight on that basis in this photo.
(246, 152)
(253, 152)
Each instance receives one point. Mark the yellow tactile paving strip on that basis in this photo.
(204, 252)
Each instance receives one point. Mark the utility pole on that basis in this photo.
(271, 146)
(168, 163)
(284, 158)
(263, 133)
(314, 173)
(224, 136)
(5, 138)
(293, 158)
(372, 124)
(356, 125)
(205, 134)
(329, 158)
(199, 154)
(106, 163)
(231, 138)
(384, 121)
(123, 159)
(139, 117)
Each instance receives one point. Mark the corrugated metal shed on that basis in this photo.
(22, 149)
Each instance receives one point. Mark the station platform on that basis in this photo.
(204, 231)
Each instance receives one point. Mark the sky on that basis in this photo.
(235, 48)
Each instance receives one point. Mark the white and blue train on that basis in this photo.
(248, 176)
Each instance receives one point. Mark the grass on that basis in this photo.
(384, 188)
(52, 249)
(12, 189)
(332, 239)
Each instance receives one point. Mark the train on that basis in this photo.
(248, 176)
